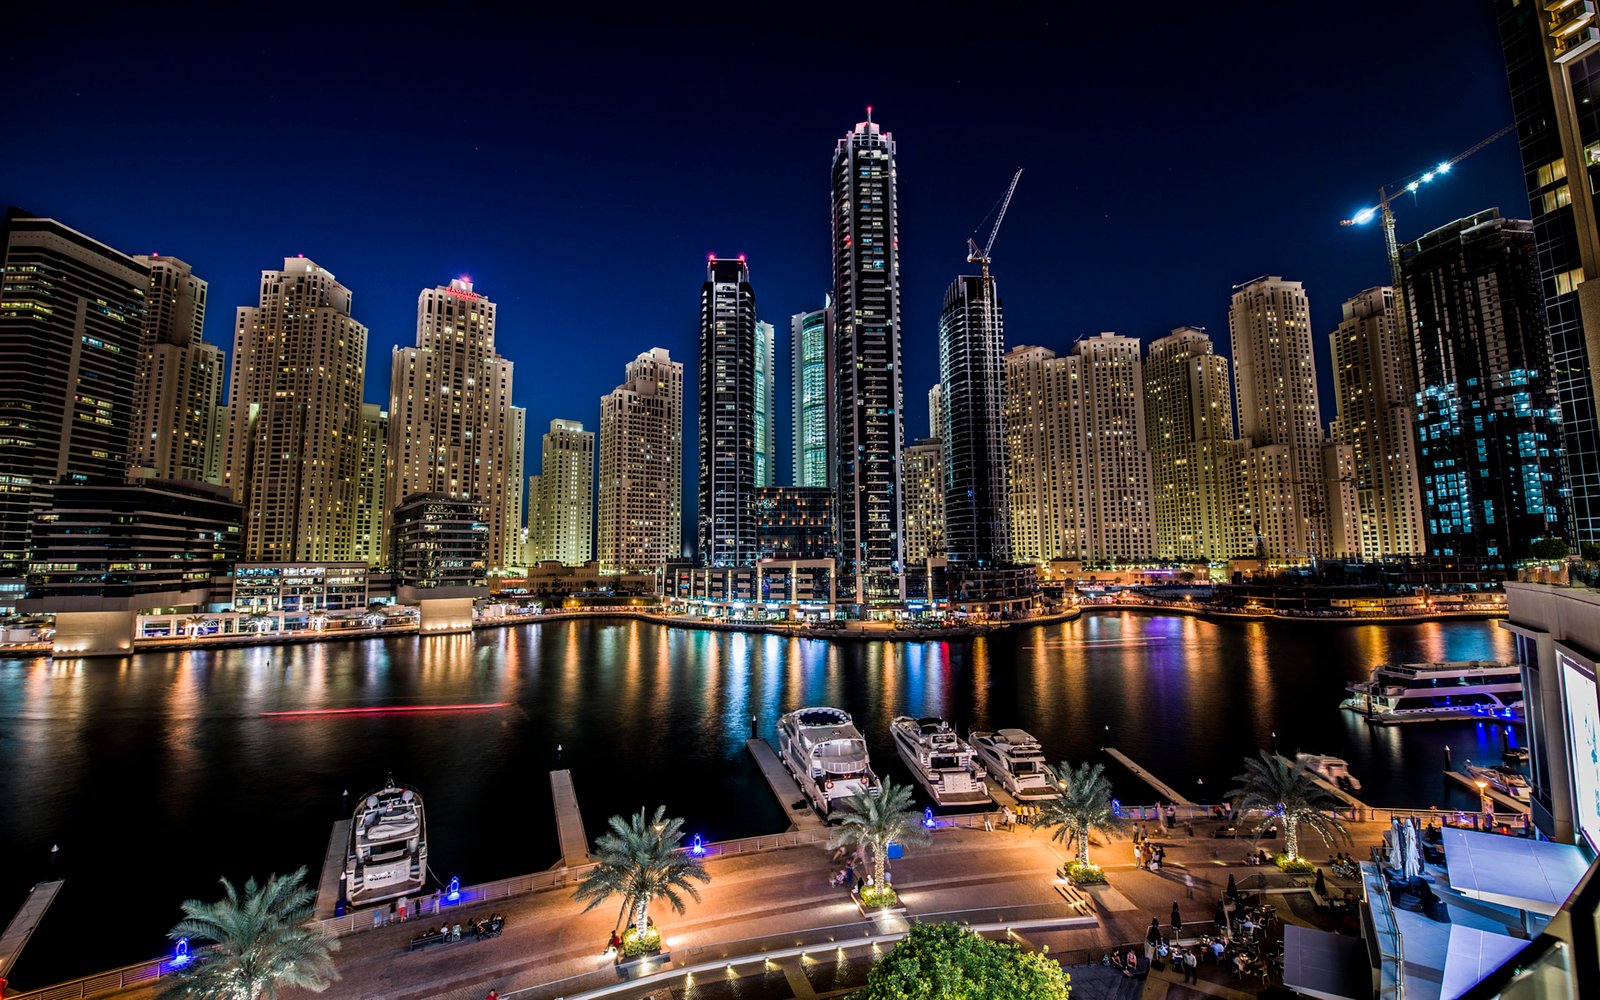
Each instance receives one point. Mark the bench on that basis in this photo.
(1075, 898)
(427, 939)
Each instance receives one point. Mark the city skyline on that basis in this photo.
(384, 253)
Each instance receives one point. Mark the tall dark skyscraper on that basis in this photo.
(71, 341)
(1488, 423)
(868, 394)
(727, 535)
(1553, 66)
(972, 374)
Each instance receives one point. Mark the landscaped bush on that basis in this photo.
(1082, 874)
(1297, 866)
(635, 944)
(878, 895)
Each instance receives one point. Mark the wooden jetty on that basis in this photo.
(1167, 791)
(783, 786)
(569, 821)
(329, 886)
(23, 924)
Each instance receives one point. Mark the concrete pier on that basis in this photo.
(23, 924)
(784, 787)
(332, 870)
(569, 821)
(1340, 794)
(1499, 798)
(1167, 791)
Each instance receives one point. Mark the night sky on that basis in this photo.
(581, 170)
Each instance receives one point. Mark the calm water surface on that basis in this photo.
(159, 773)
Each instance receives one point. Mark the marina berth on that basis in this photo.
(942, 762)
(824, 751)
(1428, 692)
(388, 854)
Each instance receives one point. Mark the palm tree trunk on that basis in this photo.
(1291, 837)
(1083, 847)
(878, 866)
(641, 918)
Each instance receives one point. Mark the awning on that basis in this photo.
(1321, 964)
(1474, 954)
(1519, 872)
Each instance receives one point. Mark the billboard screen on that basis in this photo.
(1583, 735)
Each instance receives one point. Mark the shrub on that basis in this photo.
(949, 962)
(1082, 874)
(876, 895)
(635, 944)
(1297, 866)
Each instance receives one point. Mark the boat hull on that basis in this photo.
(969, 789)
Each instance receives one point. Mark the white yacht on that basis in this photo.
(824, 751)
(1501, 780)
(388, 854)
(1420, 692)
(1334, 770)
(940, 759)
(1014, 762)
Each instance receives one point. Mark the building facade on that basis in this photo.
(293, 453)
(766, 425)
(297, 591)
(372, 510)
(639, 527)
(728, 421)
(972, 377)
(935, 410)
(72, 314)
(794, 522)
(1188, 405)
(451, 425)
(1552, 55)
(561, 497)
(811, 393)
(924, 478)
(868, 396)
(1275, 370)
(1376, 391)
(180, 377)
(441, 543)
(1046, 523)
(1488, 422)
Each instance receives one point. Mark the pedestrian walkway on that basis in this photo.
(569, 821)
(1166, 790)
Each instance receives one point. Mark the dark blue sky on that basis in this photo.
(581, 170)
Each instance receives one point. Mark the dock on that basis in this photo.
(1499, 798)
(569, 821)
(23, 924)
(784, 787)
(329, 885)
(1167, 791)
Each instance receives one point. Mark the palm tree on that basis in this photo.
(1083, 807)
(641, 862)
(1273, 787)
(259, 944)
(260, 620)
(871, 823)
(193, 624)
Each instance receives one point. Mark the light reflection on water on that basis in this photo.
(156, 774)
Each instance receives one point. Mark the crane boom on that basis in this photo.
(976, 256)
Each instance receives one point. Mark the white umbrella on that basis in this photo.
(1413, 851)
(1394, 840)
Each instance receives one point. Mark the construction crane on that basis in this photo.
(1383, 211)
(976, 256)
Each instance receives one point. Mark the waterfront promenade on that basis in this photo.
(779, 900)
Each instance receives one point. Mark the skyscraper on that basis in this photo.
(1188, 405)
(516, 540)
(1552, 54)
(925, 501)
(561, 497)
(766, 425)
(1376, 392)
(811, 388)
(728, 422)
(372, 516)
(972, 374)
(935, 410)
(1270, 321)
(294, 421)
(1076, 447)
(1488, 422)
(451, 426)
(180, 377)
(641, 467)
(71, 334)
(868, 397)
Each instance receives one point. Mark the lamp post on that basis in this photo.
(1485, 803)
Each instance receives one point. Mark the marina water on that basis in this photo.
(157, 774)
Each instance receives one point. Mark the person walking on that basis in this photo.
(1191, 966)
(1177, 920)
(1188, 883)
(1138, 857)
(402, 909)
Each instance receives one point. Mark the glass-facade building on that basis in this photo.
(794, 522)
(972, 378)
(869, 397)
(1552, 54)
(766, 423)
(727, 535)
(810, 392)
(1488, 421)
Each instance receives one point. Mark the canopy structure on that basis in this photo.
(1524, 874)
(1474, 954)
(1324, 965)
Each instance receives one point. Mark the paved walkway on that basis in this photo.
(781, 899)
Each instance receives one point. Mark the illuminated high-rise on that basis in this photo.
(561, 497)
(180, 377)
(868, 399)
(640, 519)
(766, 423)
(728, 422)
(372, 514)
(972, 377)
(294, 417)
(811, 389)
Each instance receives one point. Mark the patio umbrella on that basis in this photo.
(1322, 885)
(1233, 890)
(1153, 935)
(1177, 920)
(1411, 851)
(1222, 915)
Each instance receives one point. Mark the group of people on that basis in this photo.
(488, 927)
(1146, 854)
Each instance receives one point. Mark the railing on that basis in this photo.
(1385, 926)
(102, 984)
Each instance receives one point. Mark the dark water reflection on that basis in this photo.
(159, 773)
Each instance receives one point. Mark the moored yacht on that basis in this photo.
(824, 751)
(388, 853)
(1504, 781)
(1334, 770)
(1420, 692)
(1015, 762)
(942, 762)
